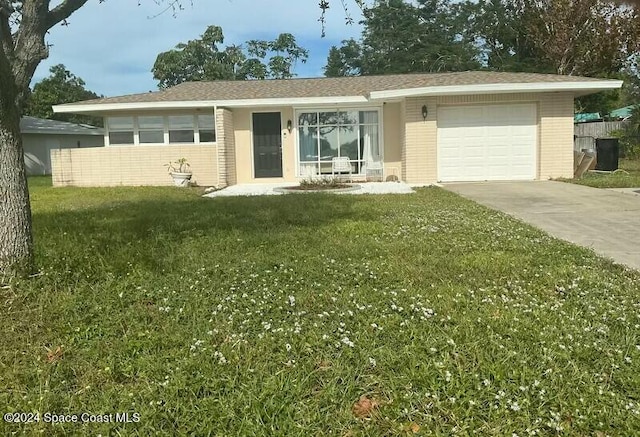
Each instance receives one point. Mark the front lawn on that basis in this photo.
(314, 315)
(627, 177)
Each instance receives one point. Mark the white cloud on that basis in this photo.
(113, 45)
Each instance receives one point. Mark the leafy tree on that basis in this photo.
(61, 86)
(571, 37)
(23, 27)
(203, 59)
(583, 37)
(500, 30)
(344, 61)
(400, 37)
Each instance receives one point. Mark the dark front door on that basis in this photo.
(267, 145)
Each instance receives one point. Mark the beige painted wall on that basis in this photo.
(555, 133)
(131, 165)
(419, 164)
(393, 132)
(244, 146)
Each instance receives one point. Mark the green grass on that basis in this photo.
(627, 177)
(273, 315)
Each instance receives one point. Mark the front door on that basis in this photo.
(267, 145)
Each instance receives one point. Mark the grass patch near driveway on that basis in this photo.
(314, 314)
(629, 177)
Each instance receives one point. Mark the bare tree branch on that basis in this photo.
(63, 11)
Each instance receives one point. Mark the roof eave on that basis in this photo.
(199, 104)
(54, 132)
(578, 87)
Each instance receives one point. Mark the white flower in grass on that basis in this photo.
(348, 342)
(288, 347)
(514, 406)
(486, 382)
(447, 376)
(372, 362)
(220, 357)
(292, 301)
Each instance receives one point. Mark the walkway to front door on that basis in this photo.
(267, 145)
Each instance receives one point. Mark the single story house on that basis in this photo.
(41, 136)
(419, 128)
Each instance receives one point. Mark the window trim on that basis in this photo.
(132, 130)
(165, 127)
(137, 124)
(302, 109)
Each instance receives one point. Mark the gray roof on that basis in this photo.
(328, 87)
(33, 125)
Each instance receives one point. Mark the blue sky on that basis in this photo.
(113, 45)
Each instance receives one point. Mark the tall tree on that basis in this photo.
(344, 61)
(23, 27)
(203, 59)
(500, 29)
(572, 37)
(583, 37)
(400, 37)
(61, 86)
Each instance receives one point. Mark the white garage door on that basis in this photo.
(487, 142)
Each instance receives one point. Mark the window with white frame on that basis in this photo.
(206, 129)
(181, 129)
(159, 129)
(324, 135)
(151, 130)
(121, 130)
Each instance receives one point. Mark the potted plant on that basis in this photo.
(180, 171)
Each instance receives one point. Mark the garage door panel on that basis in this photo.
(487, 142)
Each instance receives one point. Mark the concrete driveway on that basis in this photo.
(603, 220)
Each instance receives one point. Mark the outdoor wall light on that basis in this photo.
(289, 125)
(425, 112)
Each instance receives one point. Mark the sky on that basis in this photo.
(113, 45)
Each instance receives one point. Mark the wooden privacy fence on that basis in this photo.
(586, 133)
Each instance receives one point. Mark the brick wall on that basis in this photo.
(227, 148)
(131, 165)
(555, 157)
(555, 133)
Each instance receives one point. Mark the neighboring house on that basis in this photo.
(587, 117)
(41, 136)
(420, 128)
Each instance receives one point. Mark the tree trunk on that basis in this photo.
(16, 241)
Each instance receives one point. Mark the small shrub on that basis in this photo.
(321, 183)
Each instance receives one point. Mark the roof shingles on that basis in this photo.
(328, 87)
